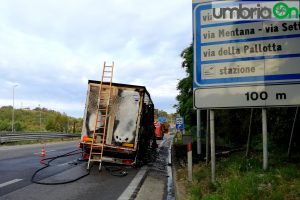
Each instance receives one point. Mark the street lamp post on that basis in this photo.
(40, 117)
(13, 111)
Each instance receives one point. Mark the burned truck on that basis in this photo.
(129, 126)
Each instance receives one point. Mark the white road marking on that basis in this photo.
(10, 182)
(4, 149)
(134, 184)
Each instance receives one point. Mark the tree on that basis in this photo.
(5, 125)
(19, 126)
(50, 126)
(29, 120)
(160, 113)
(185, 87)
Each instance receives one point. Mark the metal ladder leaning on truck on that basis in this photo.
(103, 104)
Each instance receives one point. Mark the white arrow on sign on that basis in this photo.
(180, 126)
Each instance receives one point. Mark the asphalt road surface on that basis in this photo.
(17, 165)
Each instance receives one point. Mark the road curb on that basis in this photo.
(174, 174)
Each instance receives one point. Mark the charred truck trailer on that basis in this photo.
(130, 129)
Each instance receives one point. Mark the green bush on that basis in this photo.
(240, 178)
(289, 172)
(195, 193)
(5, 125)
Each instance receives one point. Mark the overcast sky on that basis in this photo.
(51, 48)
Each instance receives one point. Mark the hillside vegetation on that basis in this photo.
(232, 125)
(239, 176)
(38, 119)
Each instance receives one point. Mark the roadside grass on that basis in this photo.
(37, 141)
(240, 178)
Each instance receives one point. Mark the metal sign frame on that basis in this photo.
(267, 80)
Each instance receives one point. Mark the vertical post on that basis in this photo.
(249, 133)
(74, 128)
(212, 146)
(183, 131)
(265, 139)
(40, 117)
(198, 131)
(13, 111)
(190, 162)
(68, 125)
(207, 137)
(292, 133)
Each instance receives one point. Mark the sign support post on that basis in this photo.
(265, 139)
(249, 133)
(190, 162)
(207, 136)
(212, 146)
(292, 133)
(198, 131)
(183, 130)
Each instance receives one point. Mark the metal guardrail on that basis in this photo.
(22, 136)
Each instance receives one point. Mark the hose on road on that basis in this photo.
(47, 164)
(113, 170)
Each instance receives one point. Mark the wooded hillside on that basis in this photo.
(38, 119)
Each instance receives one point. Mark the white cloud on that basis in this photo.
(52, 47)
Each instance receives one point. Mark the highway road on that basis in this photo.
(17, 164)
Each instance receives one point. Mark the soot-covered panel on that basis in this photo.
(122, 116)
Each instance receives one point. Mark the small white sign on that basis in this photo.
(179, 120)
